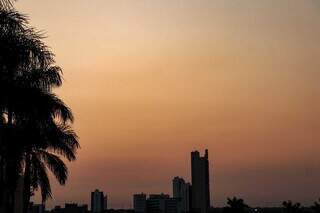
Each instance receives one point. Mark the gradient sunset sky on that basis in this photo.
(151, 80)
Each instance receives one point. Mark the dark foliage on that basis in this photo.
(236, 205)
(290, 207)
(316, 206)
(34, 123)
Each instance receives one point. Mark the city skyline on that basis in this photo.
(148, 81)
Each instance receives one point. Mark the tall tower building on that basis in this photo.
(200, 182)
(97, 201)
(181, 191)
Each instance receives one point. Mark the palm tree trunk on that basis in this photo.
(7, 193)
(2, 184)
(26, 183)
(8, 168)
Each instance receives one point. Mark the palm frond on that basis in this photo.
(57, 107)
(38, 104)
(63, 141)
(44, 78)
(6, 4)
(40, 177)
(55, 164)
(22, 45)
(12, 21)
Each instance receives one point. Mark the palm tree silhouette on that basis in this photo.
(290, 207)
(48, 140)
(21, 48)
(316, 206)
(236, 205)
(35, 123)
(38, 141)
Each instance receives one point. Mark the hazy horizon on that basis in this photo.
(150, 81)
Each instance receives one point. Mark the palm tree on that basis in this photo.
(236, 205)
(35, 122)
(21, 49)
(290, 207)
(316, 206)
(41, 129)
(48, 140)
(38, 137)
(48, 118)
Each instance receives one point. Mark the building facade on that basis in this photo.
(140, 203)
(97, 201)
(156, 203)
(200, 182)
(182, 191)
(171, 205)
(162, 203)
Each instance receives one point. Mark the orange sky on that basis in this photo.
(151, 80)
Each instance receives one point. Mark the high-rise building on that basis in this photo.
(181, 190)
(97, 201)
(156, 203)
(140, 203)
(200, 182)
(162, 203)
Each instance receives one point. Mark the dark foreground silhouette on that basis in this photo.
(35, 129)
(234, 205)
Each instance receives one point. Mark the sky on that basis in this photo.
(149, 81)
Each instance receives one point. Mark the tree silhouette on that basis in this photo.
(290, 207)
(316, 206)
(48, 139)
(35, 123)
(21, 49)
(235, 205)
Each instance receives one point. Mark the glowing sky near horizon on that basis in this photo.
(151, 80)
